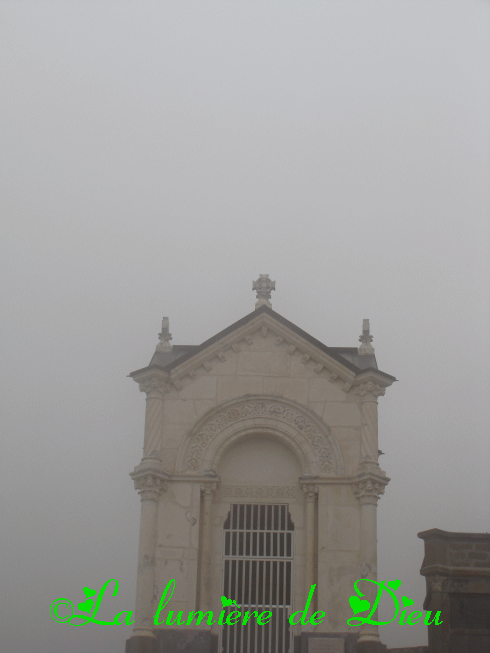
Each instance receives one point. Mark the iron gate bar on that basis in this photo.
(258, 542)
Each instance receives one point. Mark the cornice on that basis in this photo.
(198, 477)
(455, 572)
(243, 339)
(376, 377)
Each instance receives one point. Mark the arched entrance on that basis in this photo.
(258, 525)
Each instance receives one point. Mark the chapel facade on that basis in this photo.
(259, 479)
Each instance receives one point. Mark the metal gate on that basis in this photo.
(257, 576)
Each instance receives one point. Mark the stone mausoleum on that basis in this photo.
(259, 479)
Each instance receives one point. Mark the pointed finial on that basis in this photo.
(263, 286)
(365, 339)
(165, 337)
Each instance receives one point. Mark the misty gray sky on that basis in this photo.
(156, 157)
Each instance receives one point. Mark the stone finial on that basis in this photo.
(165, 337)
(263, 286)
(366, 339)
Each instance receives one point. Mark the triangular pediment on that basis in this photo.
(261, 330)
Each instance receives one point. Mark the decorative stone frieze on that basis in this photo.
(278, 410)
(258, 492)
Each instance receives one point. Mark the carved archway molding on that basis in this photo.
(293, 424)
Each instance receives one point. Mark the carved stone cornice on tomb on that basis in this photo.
(149, 479)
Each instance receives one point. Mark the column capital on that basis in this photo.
(310, 490)
(369, 391)
(154, 385)
(369, 489)
(149, 479)
(208, 489)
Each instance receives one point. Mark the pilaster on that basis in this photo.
(150, 481)
(369, 392)
(310, 493)
(154, 385)
(207, 493)
(368, 488)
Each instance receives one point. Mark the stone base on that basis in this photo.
(174, 641)
(142, 645)
(410, 649)
(190, 641)
(328, 642)
(370, 647)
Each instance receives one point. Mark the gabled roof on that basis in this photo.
(347, 356)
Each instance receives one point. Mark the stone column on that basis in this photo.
(150, 482)
(369, 393)
(207, 489)
(310, 492)
(155, 387)
(369, 487)
(368, 490)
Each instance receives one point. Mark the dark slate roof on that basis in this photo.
(347, 356)
(162, 359)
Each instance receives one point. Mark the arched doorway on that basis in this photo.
(258, 473)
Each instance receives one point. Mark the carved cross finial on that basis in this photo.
(365, 339)
(263, 286)
(165, 337)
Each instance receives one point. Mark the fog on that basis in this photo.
(156, 157)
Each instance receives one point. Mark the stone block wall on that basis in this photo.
(470, 553)
(457, 571)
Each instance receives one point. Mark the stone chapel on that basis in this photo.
(259, 479)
